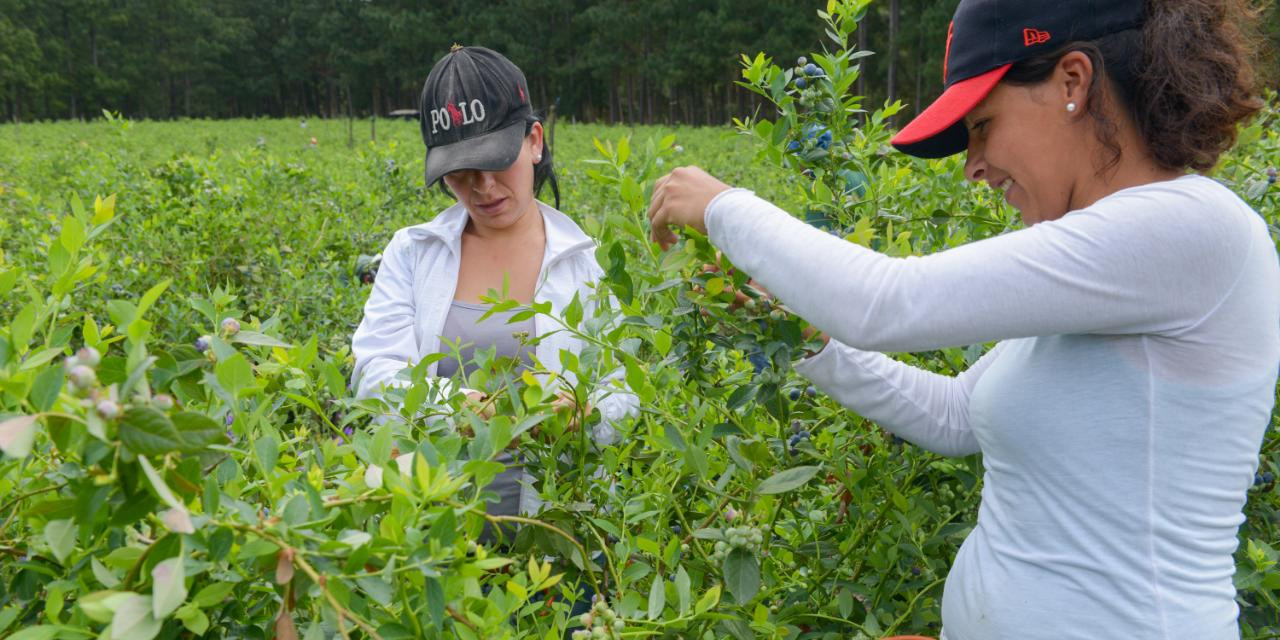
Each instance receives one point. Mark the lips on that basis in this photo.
(491, 207)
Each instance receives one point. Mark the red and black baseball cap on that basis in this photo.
(473, 112)
(984, 40)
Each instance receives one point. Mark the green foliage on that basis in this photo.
(151, 488)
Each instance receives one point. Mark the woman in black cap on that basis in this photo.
(485, 144)
(1137, 316)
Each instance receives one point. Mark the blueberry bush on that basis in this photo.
(183, 457)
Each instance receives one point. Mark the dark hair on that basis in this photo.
(1185, 79)
(543, 170)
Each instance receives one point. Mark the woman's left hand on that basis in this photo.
(680, 199)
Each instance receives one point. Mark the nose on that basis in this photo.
(975, 162)
(483, 181)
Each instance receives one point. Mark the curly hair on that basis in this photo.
(1186, 78)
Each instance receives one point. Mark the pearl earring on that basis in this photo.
(1071, 107)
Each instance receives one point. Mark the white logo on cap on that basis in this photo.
(456, 115)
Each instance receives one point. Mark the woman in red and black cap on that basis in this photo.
(1137, 316)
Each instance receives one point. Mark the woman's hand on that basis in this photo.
(680, 199)
(566, 402)
(480, 403)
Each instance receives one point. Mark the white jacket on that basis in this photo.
(416, 282)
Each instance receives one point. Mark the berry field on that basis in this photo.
(182, 456)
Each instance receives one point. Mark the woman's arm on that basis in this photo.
(1150, 261)
(924, 408)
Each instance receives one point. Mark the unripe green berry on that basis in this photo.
(230, 326)
(88, 356)
(109, 409)
(82, 377)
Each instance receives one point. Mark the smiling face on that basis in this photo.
(1024, 141)
(497, 200)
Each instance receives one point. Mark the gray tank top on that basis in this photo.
(464, 327)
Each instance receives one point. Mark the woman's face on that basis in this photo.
(1024, 142)
(496, 200)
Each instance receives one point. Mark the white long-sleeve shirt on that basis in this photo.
(410, 300)
(1119, 417)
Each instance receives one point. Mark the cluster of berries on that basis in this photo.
(821, 136)
(809, 391)
(1271, 175)
(805, 70)
(743, 537)
(600, 623)
(230, 327)
(82, 376)
(1264, 478)
(798, 434)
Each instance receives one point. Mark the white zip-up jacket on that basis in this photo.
(416, 283)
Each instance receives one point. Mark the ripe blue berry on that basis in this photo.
(801, 83)
(203, 343)
(811, 392)
(795, 395)
(824, 140)
(794, 145)
(1268, 477)
(811, 69)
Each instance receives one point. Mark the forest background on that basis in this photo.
(612, 61)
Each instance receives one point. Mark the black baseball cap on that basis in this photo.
(473, 112)
(984, 40)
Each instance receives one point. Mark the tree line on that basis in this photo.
(635, 61)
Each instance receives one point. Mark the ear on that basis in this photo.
(535, 139)
(1072, 79)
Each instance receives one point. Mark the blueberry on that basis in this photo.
(796, 426)
(801, 83)
(812, 69)
(824, 140)
(108, 409)
(758, 360)
(804, 435)
(162, 401)
(1257, 479)
(675, 528)
(811, 392)
(793, 146)
(203, 343)
(795, 395)
(1268, 477)
(801, 61)
(1272, 173)
(88, 356)
(229, 418)
(230, 326)
(349, 430)
(795, 451)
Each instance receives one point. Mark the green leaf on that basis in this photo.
(17, 435)
(785, 481)
(657, 598)
(101, 606)
(146, 431)
(38, 632)
(435, 603)
(234, 374)
(709, 600)
(257, 339)
(682, 590)
(197, 430)
(133, 620)
(73, 234)
(213, 594)
(268, 450)
(168, 587)
(192, 618)
(157, 483)
(61, 537)
(741, 575)
(44, 391)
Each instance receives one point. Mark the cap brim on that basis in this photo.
(493, 151)
(939, 131)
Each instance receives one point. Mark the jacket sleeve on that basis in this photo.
(921, 407)
(384, 344)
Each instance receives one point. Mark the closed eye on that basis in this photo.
(980, 126)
